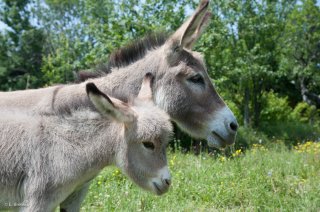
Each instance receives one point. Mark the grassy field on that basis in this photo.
(267, 179)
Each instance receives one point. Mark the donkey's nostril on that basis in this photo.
(168, 181)
(233, 126)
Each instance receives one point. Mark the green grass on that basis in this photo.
(260, 179)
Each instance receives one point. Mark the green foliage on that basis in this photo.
(98, 28)
(305, 113)
(247, 137)
(60, 65)
(21, 48)
(292, 132)
(300, 49)
(240, 47)
(259, 179)
(279, 120)
(275, 108)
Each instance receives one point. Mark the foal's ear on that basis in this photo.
(108, 106)
(190, 31)
(145, 92)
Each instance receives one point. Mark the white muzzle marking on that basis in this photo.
(220, 133)
(161, 183)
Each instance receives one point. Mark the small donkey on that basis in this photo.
(50, 159)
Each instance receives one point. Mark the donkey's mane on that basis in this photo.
(126, 55)
(136, 49)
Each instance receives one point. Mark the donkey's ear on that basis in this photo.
(190, 31)
(108, 106)
(145, 92)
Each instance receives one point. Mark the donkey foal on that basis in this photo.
(50, 159)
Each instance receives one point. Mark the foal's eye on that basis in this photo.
(197, 79)
(148, 145)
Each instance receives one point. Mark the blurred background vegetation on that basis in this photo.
(263, 56)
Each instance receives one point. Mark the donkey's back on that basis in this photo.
(26, 99)
(51, 100)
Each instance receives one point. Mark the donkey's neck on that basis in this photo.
(122, 83)
(98, 139)
(125, 82)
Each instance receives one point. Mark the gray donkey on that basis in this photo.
(47, 160)
(182, 86)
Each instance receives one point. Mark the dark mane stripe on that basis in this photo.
(136, 49)
(126, 55)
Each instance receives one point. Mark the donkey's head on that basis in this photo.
(185, 91)
(145, 133)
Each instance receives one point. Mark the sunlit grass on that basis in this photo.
(257, 179)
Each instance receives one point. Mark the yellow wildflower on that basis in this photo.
(237, 153)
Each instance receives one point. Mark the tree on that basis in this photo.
(21, 48)
(241, 50)
(81, 34)
(300, 49)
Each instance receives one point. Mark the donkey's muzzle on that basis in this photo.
(161, 184)
(223, 128)
(161, 187)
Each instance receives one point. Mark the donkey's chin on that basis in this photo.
(216, 141)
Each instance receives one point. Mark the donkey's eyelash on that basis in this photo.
(197, 79)
(148, 145)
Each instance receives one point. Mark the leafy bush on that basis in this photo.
(280, 121)
(291, 132)
(305, 113)
(275, 109)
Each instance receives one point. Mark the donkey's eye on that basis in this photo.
(197, 79)
(148, 145)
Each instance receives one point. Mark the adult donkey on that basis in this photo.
(182, 86)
